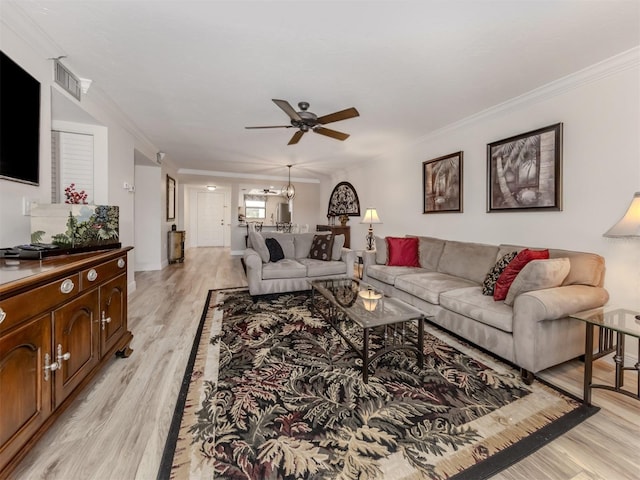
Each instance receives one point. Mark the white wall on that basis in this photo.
(600, 110)
(15, 228)
(147, 212)
(23, 42)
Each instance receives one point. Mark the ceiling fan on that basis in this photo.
(305, 121)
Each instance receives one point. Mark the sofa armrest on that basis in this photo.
(253, 264)
(543, 335)
(368, 258)
(349, 257)
(559, 302)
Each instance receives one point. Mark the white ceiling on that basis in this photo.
(192, 74)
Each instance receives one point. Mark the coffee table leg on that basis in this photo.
(618, 358)
(365, 356)
(421, 342)
(588, 364)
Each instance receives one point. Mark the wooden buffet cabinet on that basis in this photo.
(61, 319)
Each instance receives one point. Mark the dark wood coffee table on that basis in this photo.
(352, 300)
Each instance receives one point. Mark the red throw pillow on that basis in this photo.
(510, 273)
(402, 252)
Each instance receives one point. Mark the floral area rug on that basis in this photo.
(273, 392)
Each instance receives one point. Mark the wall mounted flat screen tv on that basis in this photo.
(19, 123)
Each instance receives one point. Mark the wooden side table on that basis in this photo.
(617, 321)
(176, 246)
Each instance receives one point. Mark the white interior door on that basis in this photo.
(210, 219)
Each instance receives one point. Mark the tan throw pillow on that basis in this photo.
(321, 247)
(338, 243)
(258, 244)
(538, 275)
(381, 250)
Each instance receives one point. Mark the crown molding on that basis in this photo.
(212, 173)
(612, 66)
(15, 19)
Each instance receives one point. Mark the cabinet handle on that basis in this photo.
(61, 356)
(104, 320)
(49, 367)
(121, 263)
(67, 286)
(92, 275)
(3, 315)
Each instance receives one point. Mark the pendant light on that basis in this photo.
(289, 191)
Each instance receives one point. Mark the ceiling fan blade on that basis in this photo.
(337, 116)
(331, 133)
(272, 126)
(296, 137)
(288, 109)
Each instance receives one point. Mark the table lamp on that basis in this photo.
(370, 217)
(629, 225)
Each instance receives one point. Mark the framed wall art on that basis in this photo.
(171, 198)
(442, 184)
(524, 172)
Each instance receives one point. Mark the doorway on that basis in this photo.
(210, 219)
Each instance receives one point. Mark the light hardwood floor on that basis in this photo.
(117, 427)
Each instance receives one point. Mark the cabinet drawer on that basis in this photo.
(100, 273)
(38, 300)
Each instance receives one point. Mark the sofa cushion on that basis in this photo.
(338, 243)
(258, 244)
(275, 250)
(320, 268)
(286, 242)
(321, 247)
(538, 275)
(429, 285)
(402, 252)
(429, 250)
(467, 260)
(381, 250)
(492, 277)
(302, 243)
(388, 275)
(510, 273)
(286, 268)
(471, 303)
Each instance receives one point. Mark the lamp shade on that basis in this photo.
(370, 216)
(629, 225)
(370, 299)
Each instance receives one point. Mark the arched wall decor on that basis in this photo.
(343, 201)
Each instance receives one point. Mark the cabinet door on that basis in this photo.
(76, 332)
(25, 394)
(113, 313)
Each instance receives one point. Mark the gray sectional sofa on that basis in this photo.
(296, 269)
(530, 328)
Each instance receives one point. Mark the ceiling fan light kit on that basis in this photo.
(305, 121)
